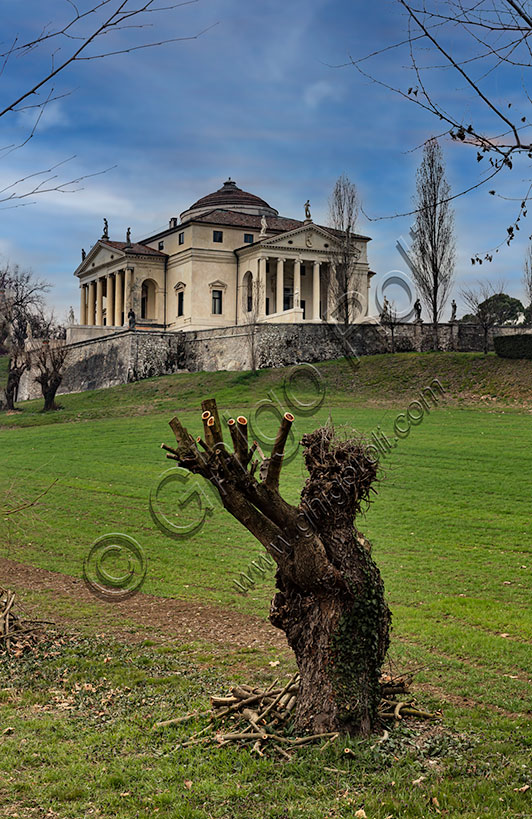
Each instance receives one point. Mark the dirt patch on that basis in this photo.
(182, 620)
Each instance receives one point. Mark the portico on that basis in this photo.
(288, 278)
(103, 299)
(114, 279)
(284, 289)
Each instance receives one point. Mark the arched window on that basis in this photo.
(147, 299)
(247, 292)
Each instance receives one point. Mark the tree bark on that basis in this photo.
(330, 600)
(49, 396)
(13, 380)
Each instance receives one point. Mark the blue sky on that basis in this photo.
(259, 98)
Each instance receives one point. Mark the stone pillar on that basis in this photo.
(454, 336)
(261, 295)
(119, 297)
(297, 282)
(128, 294)
(92, 293)
(99, 302)
(83, 304)
(279, 299)
(110, 301)
(316, 292)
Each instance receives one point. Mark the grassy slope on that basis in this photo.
(451, 531)
(466, 377)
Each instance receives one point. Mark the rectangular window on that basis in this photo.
(180, 303)
(267, 306)
(303, 306)
(217, 302)
(161, 245)
(248, 238)
(181, 238)
(217, 236)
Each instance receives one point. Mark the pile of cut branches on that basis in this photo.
(263, 719)
(17, 633)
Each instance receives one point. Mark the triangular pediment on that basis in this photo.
(306, 237)
(99, 256)
(218, 285)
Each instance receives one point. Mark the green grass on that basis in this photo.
(382, 379)
(81, 712)
(451, 529)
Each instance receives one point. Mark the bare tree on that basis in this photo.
(527, 274)
(484, 307)
(251, 320)
(433, 246)
(486, 46)
(389, 319)
(21, 302)
(49, 361)
(92, 30)
(330, 600)
(344, 280)
(48, 358)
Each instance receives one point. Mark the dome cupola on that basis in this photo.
(229, 197)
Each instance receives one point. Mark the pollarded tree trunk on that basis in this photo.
(330, 600)
(49, 391)
(14, 375)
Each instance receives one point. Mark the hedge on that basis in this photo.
(518, 346)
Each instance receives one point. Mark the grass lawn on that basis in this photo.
(451, 529)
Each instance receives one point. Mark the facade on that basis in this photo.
(230, 259)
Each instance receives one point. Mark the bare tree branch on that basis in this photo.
(77, 39)
(488, 35)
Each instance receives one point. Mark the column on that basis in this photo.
(83, 304)
(316, 292)
(261, 295)
(279, 300)
(119, 298)
(92, 293)
(128, 288)
(297, 282)
(99, 302)
(110, 301)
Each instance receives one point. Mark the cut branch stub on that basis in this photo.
(242, 440)
(209, 438)
(233, 429)
(276, 460)
(184, 440)
(211, 423)
(209, 405)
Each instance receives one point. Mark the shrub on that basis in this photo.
(517, 346)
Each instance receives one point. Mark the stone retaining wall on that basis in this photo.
(132, 355)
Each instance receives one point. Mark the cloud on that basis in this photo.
(321, 91)
(54, 115)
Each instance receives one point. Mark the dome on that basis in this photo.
(230, 197)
